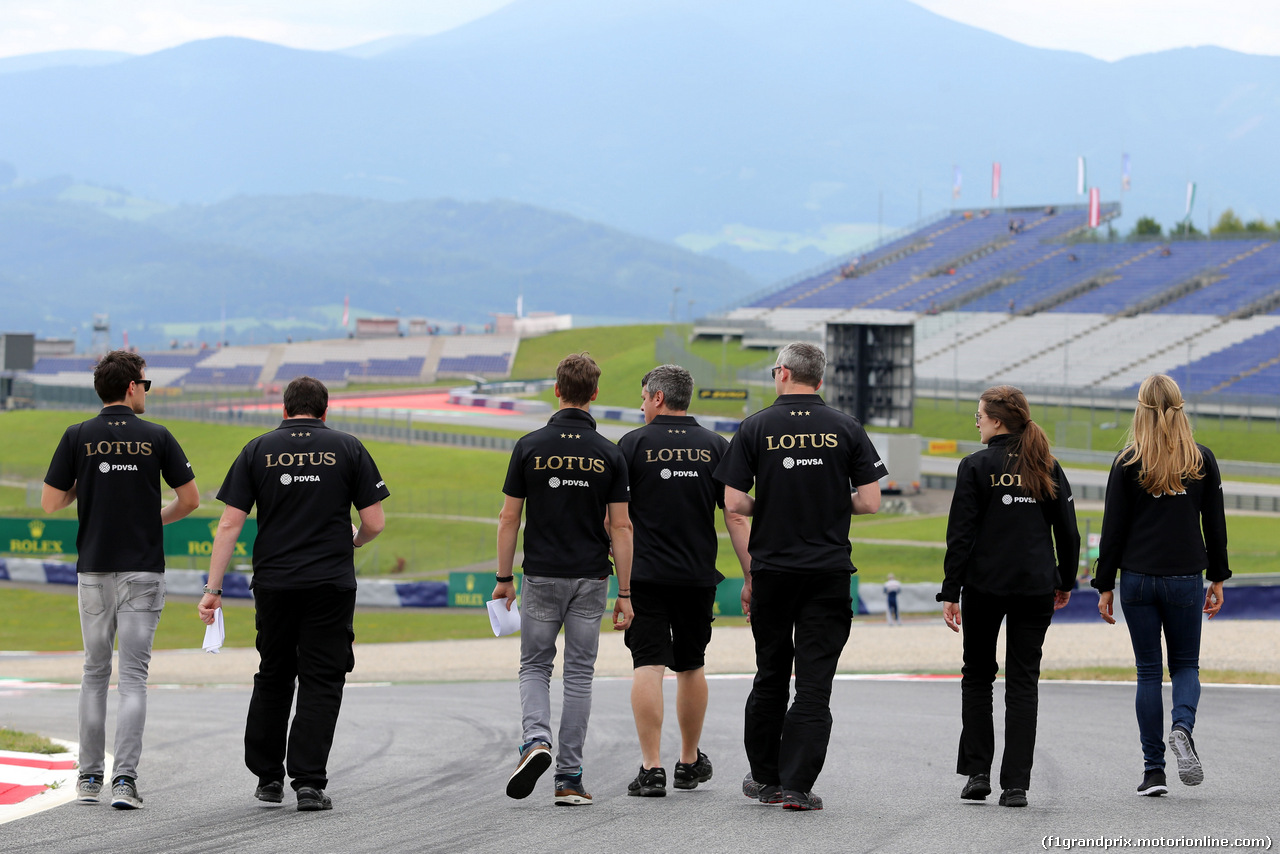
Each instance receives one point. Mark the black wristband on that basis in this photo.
(623, 596)
(503, 579)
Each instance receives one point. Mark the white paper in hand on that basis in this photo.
(215, 633)
(504, 622)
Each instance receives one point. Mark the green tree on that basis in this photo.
(1257, 226)
(1184, 229)
(1228, 223)
(1146, 227)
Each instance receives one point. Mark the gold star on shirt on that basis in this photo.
(561, 435)
(806, 412)
(293, 434)
(308, 432)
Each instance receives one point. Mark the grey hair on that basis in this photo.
(806, 362)
(675, 383)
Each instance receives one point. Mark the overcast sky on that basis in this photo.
(1107, 29)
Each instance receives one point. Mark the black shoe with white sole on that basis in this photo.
(1153, 783)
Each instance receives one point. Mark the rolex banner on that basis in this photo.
(184, 538)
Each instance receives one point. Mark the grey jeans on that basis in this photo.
(127, 605)
(546, 604)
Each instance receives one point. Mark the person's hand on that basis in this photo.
(1213, 599)
(746, 601)
(623, 614)
(209, 604)
(1106, 605)
(1060, 599)
(505, 590)
(951, 614)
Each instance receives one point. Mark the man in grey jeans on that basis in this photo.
(574, 482)
(111, 466)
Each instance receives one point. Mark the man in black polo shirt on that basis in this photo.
(670, 462)
(574, 482)
(111, 467)
(804, 459)
(304, 478)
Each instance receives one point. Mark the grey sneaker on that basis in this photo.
(1190, 771)
(535, 758)
(311, 799)
(124, 794)
(801, 801)
(89, 789)
(689, 774)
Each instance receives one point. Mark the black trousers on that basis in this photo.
(1026, 620)
(304, 636)
(801, 620)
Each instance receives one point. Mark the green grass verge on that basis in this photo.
(26, 742)
(1127, 674)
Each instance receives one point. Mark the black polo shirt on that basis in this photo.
(804, 458)
(568, 475)
(115, 462)
(670, 463)
(304, 478)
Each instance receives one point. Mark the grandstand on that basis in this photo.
(1023, 295)
(409, 360)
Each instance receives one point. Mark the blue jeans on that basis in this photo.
(124, 606)
(1172, 603)
(546, 604)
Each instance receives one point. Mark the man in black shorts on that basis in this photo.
(304, 479)
(812, 468)
(111, 465)
(673, 577)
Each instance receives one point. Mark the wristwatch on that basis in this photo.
(216, 591)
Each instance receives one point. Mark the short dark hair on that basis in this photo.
(675, 383)
(578, 377)
(306, 396)
(114, 372)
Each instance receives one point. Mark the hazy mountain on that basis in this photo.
(61, 58)
(664, 117)
(297, 258)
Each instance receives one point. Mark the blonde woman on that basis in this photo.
(1163, 525)
(1012, 547)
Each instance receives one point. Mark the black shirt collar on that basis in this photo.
(999, 439)
(118, 409)
(674, 419)
(810, 399)
(288, 423)
(573, 416)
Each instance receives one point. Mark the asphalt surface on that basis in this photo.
(422, 767)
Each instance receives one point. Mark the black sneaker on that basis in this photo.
(1153, 783)
(535, 758)
(271, 791)
(765, 793)
(124, 794)
(690, 774)
(649, 783)
(1190, 771)
(977, 788)
(311, 799)
(800, 801)
(1013, 798)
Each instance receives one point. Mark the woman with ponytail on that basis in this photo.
(1012, 548)
(1162, 526)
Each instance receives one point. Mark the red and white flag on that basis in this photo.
(995, 180)
(1095, 207)
(346, 310)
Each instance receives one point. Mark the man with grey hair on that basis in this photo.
(670, 462)
(812, 468)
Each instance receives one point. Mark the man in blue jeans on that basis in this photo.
(574, 482)
(111, 466)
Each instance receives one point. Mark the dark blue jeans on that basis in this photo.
(1172, 603)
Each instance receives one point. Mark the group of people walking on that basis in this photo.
(645, 509)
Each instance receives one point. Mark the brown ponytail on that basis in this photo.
(1029, 455)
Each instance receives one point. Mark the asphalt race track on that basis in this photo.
(422, 768)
